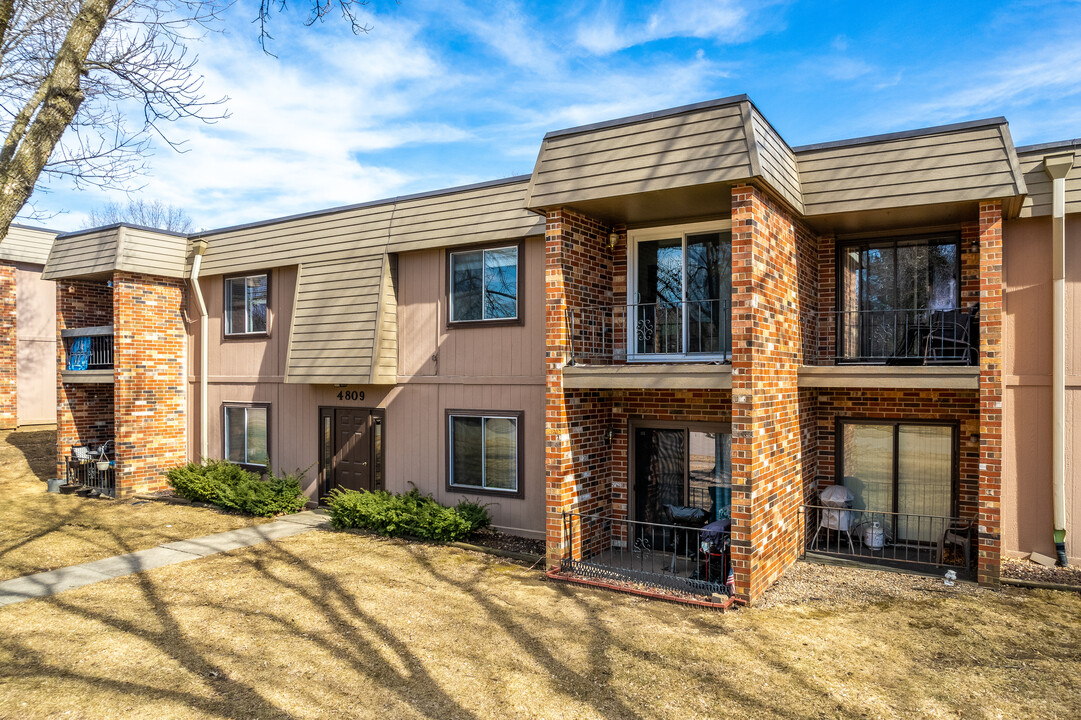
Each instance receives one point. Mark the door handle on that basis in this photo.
(364, 464)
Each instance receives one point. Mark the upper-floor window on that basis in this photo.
(681, 292)
(484, 284)
(246, 304)
(899, 299)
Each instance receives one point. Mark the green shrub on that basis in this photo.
(475, 514)
(232, 487)
(395, 515)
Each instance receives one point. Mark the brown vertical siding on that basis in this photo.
(36, 345)
(1026, 501)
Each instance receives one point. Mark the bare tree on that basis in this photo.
(72, 71)
(154, 213)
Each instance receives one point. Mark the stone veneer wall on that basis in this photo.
(9, 399)
(84, 413)
(149, 352)
(578, 273)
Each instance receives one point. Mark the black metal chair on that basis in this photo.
(950, 339)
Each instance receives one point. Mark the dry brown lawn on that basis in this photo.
(339, 625)
(41, 531)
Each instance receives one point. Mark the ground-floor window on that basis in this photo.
(904, 470)
(247, 434)
(681, 466)
(483, 451)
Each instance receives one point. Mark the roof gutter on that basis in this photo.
(200, 247)
(1057, 166)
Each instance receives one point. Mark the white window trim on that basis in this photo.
(225, 428)
(634, 237)
(247, 318)
(517, 282)
(483, 454)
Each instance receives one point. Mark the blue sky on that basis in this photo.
(443, 93)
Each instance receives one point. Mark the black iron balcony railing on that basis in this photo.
(694, 329)
(890, 538)
(675, 557)
(88, 348)
(922, 336)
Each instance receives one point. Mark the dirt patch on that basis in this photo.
(331, 625)
(503, 541)
(1028, 570)
(42, 531)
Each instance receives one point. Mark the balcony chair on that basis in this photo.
(959, 534)
(951, 338)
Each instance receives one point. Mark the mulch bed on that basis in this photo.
(1034, 572)
(503, 541)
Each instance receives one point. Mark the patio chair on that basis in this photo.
(950, 339)
(958, 534)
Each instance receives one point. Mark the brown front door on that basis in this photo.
(351, 440)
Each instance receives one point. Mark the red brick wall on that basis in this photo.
(991, 359)
(578, 273)
(767, 347)
(961, 406)
(149, 353)
(84, 414)
(9, 406)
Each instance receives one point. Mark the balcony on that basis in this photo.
(908, 348)
(650, 345)
(89, 354)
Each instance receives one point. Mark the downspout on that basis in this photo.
(204, 352)
(1057, 166)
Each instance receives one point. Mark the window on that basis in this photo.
(483, 452)
(900, 474)
(484, 284)
(681, 292)
(245, 305)
(247, 435)
(889, 290)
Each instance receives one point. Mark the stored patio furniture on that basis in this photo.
(836, 514)
(716, 547)
(957, 534)
(951, 337)
(79, 356)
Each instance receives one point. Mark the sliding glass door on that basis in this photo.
(903, 470)
(682, 466)
(681, 298)
(887, 289)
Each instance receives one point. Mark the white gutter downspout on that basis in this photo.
(1057, 166)
(204, 352)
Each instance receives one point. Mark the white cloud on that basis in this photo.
(723, 20)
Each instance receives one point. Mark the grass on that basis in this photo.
(337, 625)
(42, 531)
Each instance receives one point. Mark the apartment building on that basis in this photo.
(677, 330)
(27, 329)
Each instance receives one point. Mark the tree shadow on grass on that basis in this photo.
(38, 448)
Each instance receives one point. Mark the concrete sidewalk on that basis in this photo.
(55, 581)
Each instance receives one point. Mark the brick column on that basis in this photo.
(766, 354)
(578, 272)
(84, 413)
(9, 405)
(991, 359)
(148, 379)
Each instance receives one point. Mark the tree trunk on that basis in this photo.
(28, 147)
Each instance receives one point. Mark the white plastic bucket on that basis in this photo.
(873, 536)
